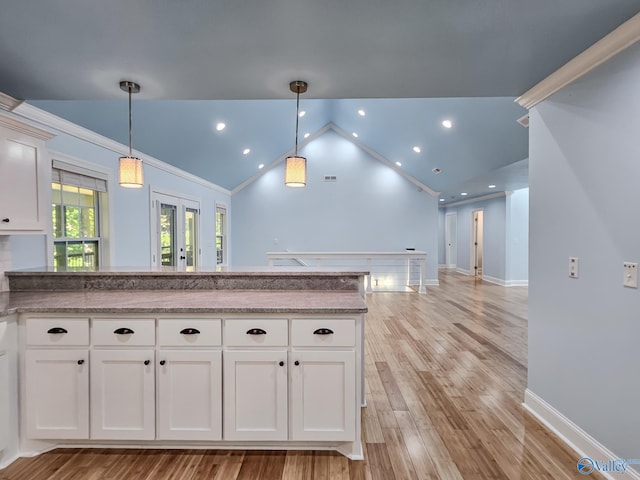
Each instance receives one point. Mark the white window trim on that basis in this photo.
(76, 165)
(225, 243)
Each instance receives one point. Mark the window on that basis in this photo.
(221, 234)
(76, 218)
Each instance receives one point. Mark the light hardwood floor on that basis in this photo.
(445, 376)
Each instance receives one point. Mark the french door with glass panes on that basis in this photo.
(175, 232)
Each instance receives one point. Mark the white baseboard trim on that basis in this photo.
(432, 282)
(463, 271)
(571, 434)
(441, 265)
(517, 283)
(497, 281)
(7, 461)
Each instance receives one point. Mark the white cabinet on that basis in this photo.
(24, 178)
(57, 393)
(4, 389)
(122, 394)
(255, 395)
(189, 395)
(323, 403)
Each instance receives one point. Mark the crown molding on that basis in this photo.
(65, 126)
(11, 122)
(8, 103)
(618, 40)
(477, 199)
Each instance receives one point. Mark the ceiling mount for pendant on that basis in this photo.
(295, 167)
(130, 168)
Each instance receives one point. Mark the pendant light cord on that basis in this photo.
(297, 118)
(130, 150)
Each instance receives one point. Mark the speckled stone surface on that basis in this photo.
(265, 278)
(193, 301)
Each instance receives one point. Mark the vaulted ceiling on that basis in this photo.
(409, 64)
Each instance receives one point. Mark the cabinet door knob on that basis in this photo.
(256, 331)
(123, 331)
(5, 220)
(57, 330)
(323, 331)
(281, 363)
(296, 363)
(162, 362)
(147, 362)
(190, 331)
(80, 362)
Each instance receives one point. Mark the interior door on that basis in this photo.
(451, 240)
(477, 242)
(175, 232)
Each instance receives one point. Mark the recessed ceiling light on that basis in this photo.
(246, 151)
(306, 135)
(491, 186)
(302, 113)
(361, 113)
(436, 170)
(399, 164)
(464, 194)
(417, 149)
(220, 126)
(261, 166)
(355, 135)
(442, 199)
(447, 123)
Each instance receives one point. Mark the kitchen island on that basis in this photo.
(268, 358)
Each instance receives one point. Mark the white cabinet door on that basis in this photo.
(255, 395)
(22, 182)
(189, 395)
(323, 395)
(122, 395)
(4, 400)
(57, 394)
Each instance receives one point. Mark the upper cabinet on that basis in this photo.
(25, 177)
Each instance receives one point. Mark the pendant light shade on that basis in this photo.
(295, 172)
(295, 167)
(130, 168)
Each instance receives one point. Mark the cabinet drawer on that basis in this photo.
(323, 332)
(276, 332)
(132, 331)
(57, 331)
(186, 332)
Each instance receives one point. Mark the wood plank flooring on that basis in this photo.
(445, 376)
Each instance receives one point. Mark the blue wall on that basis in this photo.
(369, 208)
(584, 169)
(505, 237)
(130, 228)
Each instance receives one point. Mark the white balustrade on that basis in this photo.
(388, 271)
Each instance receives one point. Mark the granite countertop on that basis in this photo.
(275, 271)
(183, 301)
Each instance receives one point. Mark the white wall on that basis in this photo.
(129, 230)
(369, 208)
(584, 178)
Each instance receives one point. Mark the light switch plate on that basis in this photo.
(630, 275)
(574, 263)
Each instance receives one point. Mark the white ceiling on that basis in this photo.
(408, 63)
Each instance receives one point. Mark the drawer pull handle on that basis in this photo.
(6, 220)
(80, 362)
(296, 363)
(147, 362)
(162, 362)
(256, 331)
(323, 331)
(57, 330)
(123, 331)
(190, 331)
(281, 363)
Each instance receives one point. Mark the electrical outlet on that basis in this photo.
(630, 275)
(574, 263)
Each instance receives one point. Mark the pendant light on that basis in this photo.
(295, 167)
(130, 171)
